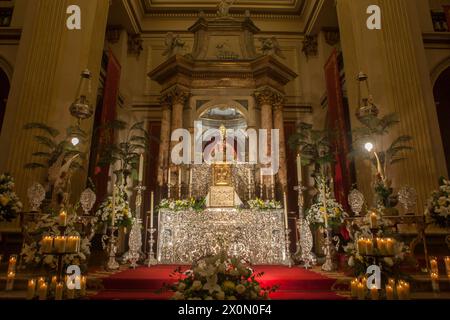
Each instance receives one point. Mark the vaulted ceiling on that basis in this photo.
(290, 7)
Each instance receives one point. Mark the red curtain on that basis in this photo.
(106, 111)
(338, 123)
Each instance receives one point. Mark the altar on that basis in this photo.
(256, 236)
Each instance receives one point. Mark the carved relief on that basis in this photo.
(270, 46)
(310, 46)
(174, 45)
(268, 96)
(177, 95)
(135, 44)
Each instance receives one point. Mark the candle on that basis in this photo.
(83, 282)
(374, 293)
(261, 183)
(141, 167)
(113, 206)
(361, 291)
(60, 244)
(435, 281)
(389, 292)
(447, 265)
(190, 182)
(299, 169)
(31, 289)
(53, 282)
(373, 220)
(42, 291)
(407, 290)
(47, 244)
(12, 263)
(41, 280)
(400, 291)
(151, 209)
(369, 246)
(73, 244)
(63, 218)
(389, 246)
(179, 176)
(285, 210)
(168, 177)
(59, 291)
(434, 265)
(10, 281)
(354, 288)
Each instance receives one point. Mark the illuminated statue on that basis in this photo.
(224, 8)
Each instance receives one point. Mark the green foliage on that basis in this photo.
(314, 146)
(125, 152)
(52, 148)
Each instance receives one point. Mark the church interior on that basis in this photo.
(284, 150)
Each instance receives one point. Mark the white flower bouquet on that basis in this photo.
(438, 208)
(335, 214)
(259, 204)
(219, 278)
(181, 205)
(122, 217)
(10, 204)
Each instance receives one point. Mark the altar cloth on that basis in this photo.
(254, 235)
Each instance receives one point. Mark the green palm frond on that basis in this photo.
(41, 126)
(34, 165)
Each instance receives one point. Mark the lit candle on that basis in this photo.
(10, 281)
(434, 265)
(60, 244)
(285, 211)
(31, 289)
(369, 246)
(407, 290)
(141, 167)
(354, 288)
(400, 291)
(83, 282)
(361, 291)
(63, 218)
(73, 244)
(389, 292)
(41, 280)
(435, 281)
(42, 291)
(59, 291)
(12, 263)
(389, 246)
(373, 220)
(299, 169)
(47, 244)
(374, 293)
(447, 265)
(151, 209)
(53, 282)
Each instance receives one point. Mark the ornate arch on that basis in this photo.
(7, 68)
(439, 69)
(222, 103)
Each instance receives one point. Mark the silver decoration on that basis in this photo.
(257, 236)
(134, 253)
(87, 200)
(306, 242)
(111, 248)
(329, 265)
(408, 198)
(151, 260)
(36, 194)
(356, 201)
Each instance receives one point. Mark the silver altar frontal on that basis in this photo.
(256, 236)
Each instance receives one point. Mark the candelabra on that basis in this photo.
(329, 265)
(151, 260)
(305, 243)
(134, 254)
(112, 263)
(288, 259)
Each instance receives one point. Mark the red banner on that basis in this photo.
(338, 124)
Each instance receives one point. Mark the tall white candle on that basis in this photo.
(179, 176)
(113, 206)
(141, 167)
(190, 182)
(151, 209)
(168, 176)
(285, 210)
(261, 183)
(299, 169)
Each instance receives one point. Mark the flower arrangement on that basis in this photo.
(181, 205)
(260, 204)
(10, 204)
(48, 225)
(122, 210)
(359, 263)
(219, 277)
(438, 209)
(335, 213)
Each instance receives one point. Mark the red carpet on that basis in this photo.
(140, 284)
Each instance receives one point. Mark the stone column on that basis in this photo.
(48, 66)
(278, 123)
(178, 98)
(394, 58)
(163, 157)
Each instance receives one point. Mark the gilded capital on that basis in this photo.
(268, 96)
(178, 95)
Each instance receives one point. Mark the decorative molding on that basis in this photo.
(177, 95)
(310, 46)
(113, 34)
(268, 96)
(332, 36)
(135, 44)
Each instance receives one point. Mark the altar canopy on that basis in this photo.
(256, 236)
